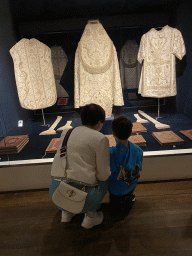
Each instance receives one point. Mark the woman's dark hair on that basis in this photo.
(122, 127)
(91, 114)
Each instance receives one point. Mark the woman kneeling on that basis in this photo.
(88, 162)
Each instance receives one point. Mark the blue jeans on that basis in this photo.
(94, 197)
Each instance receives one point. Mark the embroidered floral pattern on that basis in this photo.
(34, 74)
(97, 77)
(158, 50)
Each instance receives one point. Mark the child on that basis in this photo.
(126, 163)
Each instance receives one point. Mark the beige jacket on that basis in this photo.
(88, 157)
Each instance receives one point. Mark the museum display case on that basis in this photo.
(47, 123)
(34, 124)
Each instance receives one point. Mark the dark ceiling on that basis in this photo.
(39, 10)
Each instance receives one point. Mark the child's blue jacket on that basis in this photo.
(128, 157)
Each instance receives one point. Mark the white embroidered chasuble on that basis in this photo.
(158, 50)
(130, 68)
(97, 77)
(59, 61)
(34, 74)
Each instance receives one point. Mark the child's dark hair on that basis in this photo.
(122, 127)
(91, 114)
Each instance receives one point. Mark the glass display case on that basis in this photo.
(34, 156)
(163, 110)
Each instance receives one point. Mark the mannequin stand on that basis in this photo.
(158, 111)
(44, 124)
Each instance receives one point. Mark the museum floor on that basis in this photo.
(159, 224)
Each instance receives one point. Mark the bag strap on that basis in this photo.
(63, 150)
(64, 144)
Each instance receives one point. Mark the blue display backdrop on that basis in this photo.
(184, 83)
(10, 108)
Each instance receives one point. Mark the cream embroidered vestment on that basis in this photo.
(158, 50)
(34, 74)
(97, 77)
